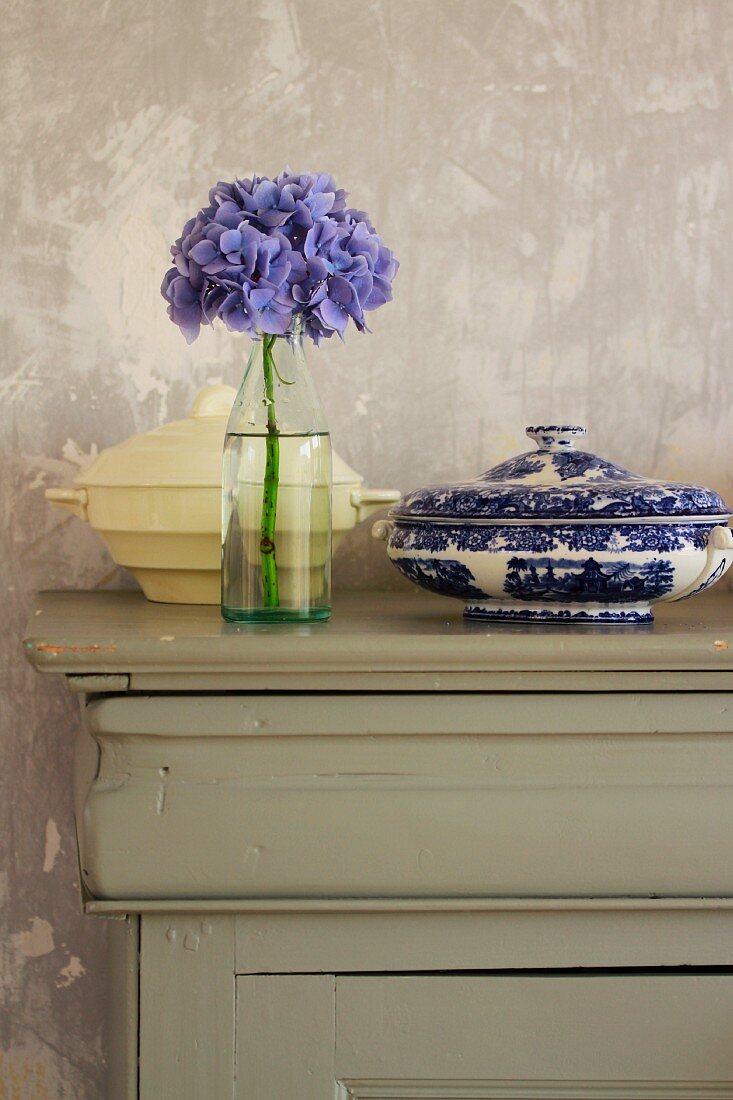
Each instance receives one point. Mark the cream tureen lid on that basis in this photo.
(558, 482)
(184, 452)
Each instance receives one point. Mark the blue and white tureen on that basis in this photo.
(560, 535)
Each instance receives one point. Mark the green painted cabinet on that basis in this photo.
(402, 855)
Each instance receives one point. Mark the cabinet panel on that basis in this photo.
(604, 1028)
(285, 1037)
(491, 1036)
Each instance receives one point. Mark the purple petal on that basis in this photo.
(188, 315)
(275, 323)
(287, 200)
(273, 217)
(324, 182)
(237, 321)
(204, 252)
(319, 204)
(363, 284)
(230, 219)
(168, 278)
(381, 293)
(195, 276)
(265, 194)
(228, 207)
(279, 271)
(318, 268)
(339, 290)
(302, 215)
(298, 268)
(230, 241)
(262, 297)
(333, 315)
(318, 295)
(181, 292)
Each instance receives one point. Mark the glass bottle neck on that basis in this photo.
(284, 354)
(277, 392)
(293, 337)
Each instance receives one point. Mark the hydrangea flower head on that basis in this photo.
(267, 251)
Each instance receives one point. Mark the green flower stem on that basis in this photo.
(272, 478)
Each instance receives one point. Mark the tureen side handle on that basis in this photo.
(74, 500)
(382, 529)
(719, 560)
(368, 501)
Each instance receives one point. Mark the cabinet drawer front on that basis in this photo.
(457, 1037)
(352, 796)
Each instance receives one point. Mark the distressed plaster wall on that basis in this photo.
(555, 178)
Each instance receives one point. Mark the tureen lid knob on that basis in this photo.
(555, 437)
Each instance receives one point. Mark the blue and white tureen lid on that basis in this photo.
(559, 482)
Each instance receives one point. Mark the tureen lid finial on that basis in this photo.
(555, 437)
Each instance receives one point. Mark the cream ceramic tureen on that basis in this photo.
(156, 501)
(560, 535)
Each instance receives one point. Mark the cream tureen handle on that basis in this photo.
(368, 501)
(719, 560)
(74, 500)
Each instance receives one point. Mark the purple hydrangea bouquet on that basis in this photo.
(279, 259)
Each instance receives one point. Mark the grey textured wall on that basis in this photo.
(555, 176)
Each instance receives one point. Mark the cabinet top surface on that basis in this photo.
(370, 632)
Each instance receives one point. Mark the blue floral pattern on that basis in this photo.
(441, 537)
(571, 464)
(515, 469)
(604, 500)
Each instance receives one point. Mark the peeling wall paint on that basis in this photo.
(37, 940)
(555, 176)
(53, 845)
(69, 973)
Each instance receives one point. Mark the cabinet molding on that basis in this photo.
(393, 796)
(406, 640)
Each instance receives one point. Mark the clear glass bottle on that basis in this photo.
(276, 491)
